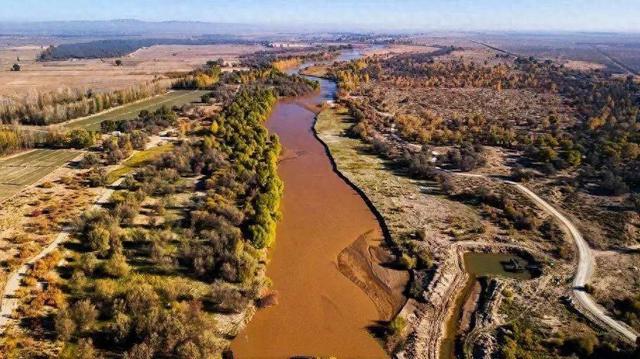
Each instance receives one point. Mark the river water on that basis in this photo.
(320, 312)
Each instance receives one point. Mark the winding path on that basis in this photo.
(584, 268)
(9, 301)
(583, 271)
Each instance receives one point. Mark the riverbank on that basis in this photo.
(404, 208)
(438, 231)
(326, 228)
(374, 258)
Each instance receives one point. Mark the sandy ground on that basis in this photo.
(616, 276)
(102, 74)
(361, 261)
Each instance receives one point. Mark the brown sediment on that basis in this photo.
(469, 308)
(363, 263)
(320, 311)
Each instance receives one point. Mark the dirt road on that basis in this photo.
(9, 302)
(584, 269)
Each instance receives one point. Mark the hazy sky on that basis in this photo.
(590, 15)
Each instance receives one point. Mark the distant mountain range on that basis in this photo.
(127, 28)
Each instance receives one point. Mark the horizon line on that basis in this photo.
(370, 27)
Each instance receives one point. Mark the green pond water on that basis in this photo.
(493, 265)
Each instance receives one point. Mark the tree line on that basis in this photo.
(281, 59)
(118, 48)
(66, 104)
(151, 290)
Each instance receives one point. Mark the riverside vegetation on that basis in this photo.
(172, 266)
(426, 112)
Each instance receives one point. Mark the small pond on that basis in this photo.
(499, 265)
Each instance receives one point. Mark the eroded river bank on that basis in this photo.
(327, 233)
(479, 267)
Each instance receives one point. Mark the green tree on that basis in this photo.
(80, 138)
(583, 346)
(574, 158)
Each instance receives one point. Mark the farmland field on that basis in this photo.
(101, 74)
(24, 170)
(175, 98)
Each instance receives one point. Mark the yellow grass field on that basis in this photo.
(102, 74)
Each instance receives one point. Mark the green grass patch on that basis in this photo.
(139, 159)
(131, 111)
(333, 121)
(21, 171)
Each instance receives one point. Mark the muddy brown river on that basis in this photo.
(320, 312)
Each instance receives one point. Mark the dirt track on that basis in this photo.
(9, 302)
(583, 271)
(584, 267)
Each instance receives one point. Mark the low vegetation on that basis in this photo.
(628, 310)
(426, 115)
(597, 139)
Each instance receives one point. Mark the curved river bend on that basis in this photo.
(320, 311)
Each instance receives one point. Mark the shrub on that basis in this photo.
(98, 240)
(582, 346)
(407, 261)
(97, 177)
(85, 349)
(88, 263)
(589, 288)
(84, 315)
(396, 326)
(520, 174)
(116, 266)
(46, 184)
(89, 160)
(612, 184)
(64, 325)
